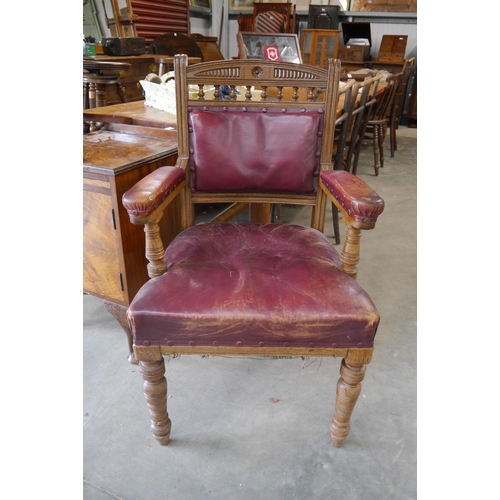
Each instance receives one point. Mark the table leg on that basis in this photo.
(120, 314)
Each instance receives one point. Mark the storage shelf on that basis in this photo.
(374, 17)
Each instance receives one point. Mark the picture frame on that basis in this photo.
(270, 46)
(201, 3)
(241, 4)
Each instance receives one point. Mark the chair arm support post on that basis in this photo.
(351, 251)
(360, 207)
(146, 202)
(154, 249)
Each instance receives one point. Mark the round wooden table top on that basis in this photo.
(94, 66)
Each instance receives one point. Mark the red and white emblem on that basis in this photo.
(272, 53)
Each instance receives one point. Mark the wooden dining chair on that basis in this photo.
(345, 106)
(377, 124)
(348, 128)
(284, 11)
(270, 22)
(367, 97)
(250, 288)
(399, 100)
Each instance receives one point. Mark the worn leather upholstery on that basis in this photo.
(231, 137)
(255, 288)
(148, 194)
(244, 284)
(357, 198)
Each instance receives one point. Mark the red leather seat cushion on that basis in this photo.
(257, 284)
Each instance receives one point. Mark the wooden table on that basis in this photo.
(133, 113)
(391, 67)
(114, 159)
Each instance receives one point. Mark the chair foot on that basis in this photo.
(348, 390)
(377, 170)
(155, 391)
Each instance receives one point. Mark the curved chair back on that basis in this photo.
(269, 22)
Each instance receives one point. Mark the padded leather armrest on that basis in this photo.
(149, 193)
(358, 199)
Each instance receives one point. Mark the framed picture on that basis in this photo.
(240, 4)
(201, 3)
(269, 46)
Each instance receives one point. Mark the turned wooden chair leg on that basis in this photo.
(376, 152)
(392, 137)
(348, 390)
(381, 137)
(155, 391)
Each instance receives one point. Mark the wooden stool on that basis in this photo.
(95, 84)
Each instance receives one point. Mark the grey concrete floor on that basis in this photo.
(256, 428)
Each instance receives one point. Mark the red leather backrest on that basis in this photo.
(242, 149)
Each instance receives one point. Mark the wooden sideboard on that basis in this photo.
(114, 159)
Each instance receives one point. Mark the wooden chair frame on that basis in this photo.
(347, 94)
(287, 9)
(378, 122)
(399, 100)
(152, 195)
(368, 97)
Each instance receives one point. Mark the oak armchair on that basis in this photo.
(253, 288)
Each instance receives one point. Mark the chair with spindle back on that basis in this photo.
(368, 89)
(399, 100)
(253, 288)
(345, 107)
(376, 128)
